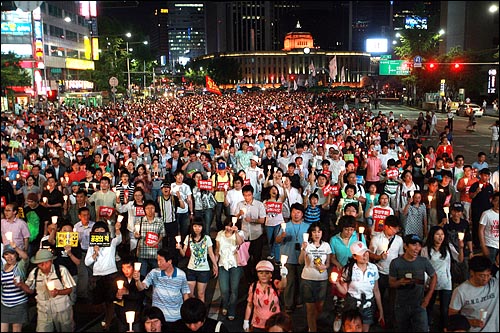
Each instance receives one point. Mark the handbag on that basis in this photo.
(242, 253)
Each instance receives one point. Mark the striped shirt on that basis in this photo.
(150, 228)
(12, 295)
(168, 291)
(312, 214)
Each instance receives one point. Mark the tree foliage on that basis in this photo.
(12, 73)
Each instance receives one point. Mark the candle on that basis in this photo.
(119, 219)
(8, 235)
(137, 228)
(432, 173)
(65, 197)
(226, 186)
(119, 284)
(283, 226)
(209, 174)
(361, 230)
(14, 182)
(275, 169)
(461, 235)
(305, 236)
(234, 219)
(372, 197)
(334, 276)
(385, 245)
(94, 185)
(283, 179)
(66, 178)
(408, 275)
(87, 186)
(7, 179)
(54, 219)
(178, 239)
(429, 198)
(283, 259)
(50, 285)
(466, 180)
(130, 315)
(18, 176)
(480, 186)
(268, 167)
(137, 266)
(117, 193)
(446, 210)
(411, 193)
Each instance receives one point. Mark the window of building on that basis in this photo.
(55, 11)
(70, 35)
(56, 32)
(56, 51)
(70, 53)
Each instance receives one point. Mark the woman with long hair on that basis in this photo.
(135, 211)
(441, 252)
(274, 218)
(201, 248)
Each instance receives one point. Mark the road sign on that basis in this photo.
(113, 90)
(394, 67)
(417, 61)
(113, 81)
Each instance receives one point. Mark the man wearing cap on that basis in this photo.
(222, 182)
(406, 275)
(54, 306)
(480, 193)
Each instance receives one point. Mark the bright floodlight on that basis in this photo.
(493, 8)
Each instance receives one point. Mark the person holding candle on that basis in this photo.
(477, 298)
(135, 211)
(71, 210)
(27, 188)
(360, 283)
(230, 273)
(53, 303)
(198, 271)
(104, 201)
(14, 299)
(488, 229)
(480, 193)
(234, 196)
(54, 198)
(416, 216)
(104, 269)
(440, 253)
(18, 229)
(126, 296)
(342, 240)
(315, 256)
(203, 204)
(463, 186)
(274, 219)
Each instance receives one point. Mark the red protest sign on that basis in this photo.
(24, 173)
(205, 185)
(151, 239)
(274, 207)
(139, 211)
(105, 211)
(379, 216)
(222, 185)
(392, 173)
(326, 190)
(11, 166)
(246, 182)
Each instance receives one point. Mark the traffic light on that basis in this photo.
(456, 66)
(52, 95)
(432, 66)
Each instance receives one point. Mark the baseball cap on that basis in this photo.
(358, 248)
(8, 249)
(75, 183)
(485, 171)
(412, 239)
(457, 206)
(265, 265)
(221, 166)
(254, 158)
(79, 153)
(165, 184)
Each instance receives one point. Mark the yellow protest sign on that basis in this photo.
(67, 238)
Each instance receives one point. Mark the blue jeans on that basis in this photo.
(219, 208)
(229, 282)
(274, 248)
(444, 303)
(184, 222)
(155, 193)
(411, 318)
(147, 265)
(207, 216)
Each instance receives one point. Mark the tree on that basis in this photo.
(12, 73)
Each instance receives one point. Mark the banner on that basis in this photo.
(67, 238)
(105, 211)
(139, 211)
(151, 238)
(379, 216)
(274, 207)
(392, 173)
(212, 86)
(342, 75)
(312, 69)
(221, 186)
(333, 67)
(100, 239)
(205, 185)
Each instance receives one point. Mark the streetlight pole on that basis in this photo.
(128, 72)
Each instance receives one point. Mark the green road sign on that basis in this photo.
(394, 67)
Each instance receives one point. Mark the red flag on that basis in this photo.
(212, 86)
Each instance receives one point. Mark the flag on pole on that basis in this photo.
(295, 87)
(333, 67)
(212, 86)
(311, 68)
(238, 89)
(342, 75)
(283, 81)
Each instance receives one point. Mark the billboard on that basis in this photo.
(415, 22)
(394, 67)
(376, 45)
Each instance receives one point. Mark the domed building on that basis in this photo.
(298, 39)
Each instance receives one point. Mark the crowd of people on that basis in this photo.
(100, 204)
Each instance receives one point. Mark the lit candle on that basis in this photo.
(283, 226)
(130, 315)
(119, 284)
(334, 276)
(234, 219)
(119, 219)
(275, 169)
(283, 179)
(432, 173)
(480, 186)
(50, 285)
(54, 219)
(268, 167)
(429, 198)
(361, 230)
(66, 178)
(209, 174)
(117, 193)
(137, 228)
(94, 185)
(65, 197)
(87, 186)
(178, 239)
(8, 235)
(466, 181)
(461, 235)
(305, 236)
(7, 179)
(137, 266)
(283, 259)
(408, 275)
(411, 193)
(14, 182)
(446, 210)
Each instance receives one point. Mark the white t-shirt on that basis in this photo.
(363, 282)
(310, 272)
(396, 249)
(233, 197)
(441, 266)
(185, 191)
(490, 220)
(227, 249)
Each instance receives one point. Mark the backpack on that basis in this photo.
(57, 269)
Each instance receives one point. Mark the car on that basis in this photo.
(465, 110)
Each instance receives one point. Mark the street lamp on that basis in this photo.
(128, 35)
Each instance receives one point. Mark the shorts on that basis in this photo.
(198, 276)
(313, 291)
(104, 286)
(367, 313)
(15, 315)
